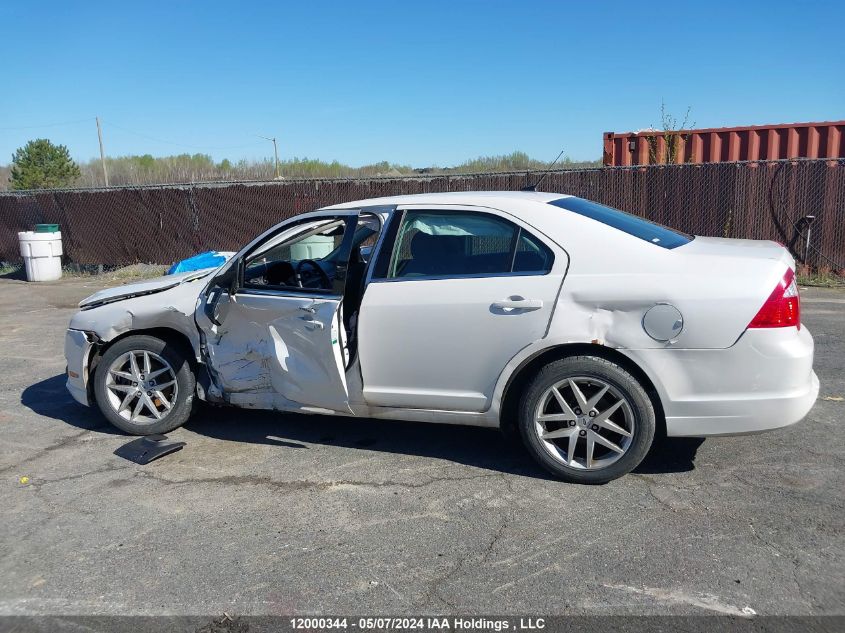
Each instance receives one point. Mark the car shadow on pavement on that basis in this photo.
(473, 446)
(670, 455)
(51, 399)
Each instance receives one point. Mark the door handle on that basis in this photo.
(309, 309)
(518, 303)
(314, 325)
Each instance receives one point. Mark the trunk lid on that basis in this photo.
(724, 283)
(742, 249)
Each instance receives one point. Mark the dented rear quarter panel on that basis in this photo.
(613, 278)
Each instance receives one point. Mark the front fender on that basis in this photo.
(171, 309)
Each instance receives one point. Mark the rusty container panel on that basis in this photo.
(726, 144)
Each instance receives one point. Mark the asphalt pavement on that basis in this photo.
(267, 513)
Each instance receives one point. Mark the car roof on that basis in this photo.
(533, 208)
(453, 197)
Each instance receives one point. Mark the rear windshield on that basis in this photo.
(625, 222)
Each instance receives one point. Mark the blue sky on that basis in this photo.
(417, 83)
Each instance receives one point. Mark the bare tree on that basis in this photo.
(674, 135)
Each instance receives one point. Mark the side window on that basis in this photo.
(459, 243)
(309, 260)
(531, 255)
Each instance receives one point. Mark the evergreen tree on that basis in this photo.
(41, 165)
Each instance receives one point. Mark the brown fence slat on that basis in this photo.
(162, 224)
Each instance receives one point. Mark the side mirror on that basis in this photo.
(228, 280)
(217, 305)
(217, 300)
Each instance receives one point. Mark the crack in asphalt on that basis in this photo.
(786, 493)
(507, 520)
(38, 483)
(294, 486)
(434, 590)
(651, 487)
(66, 441)
(780, 554)
(297, 485)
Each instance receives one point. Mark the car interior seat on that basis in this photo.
(435, 255)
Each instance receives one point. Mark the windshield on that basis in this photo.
(625, 222)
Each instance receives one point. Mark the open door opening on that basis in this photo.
(282, 335)
(366, 234)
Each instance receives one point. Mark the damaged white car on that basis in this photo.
(587, 329)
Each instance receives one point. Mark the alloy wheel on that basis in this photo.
(141, 386)
(584, 422)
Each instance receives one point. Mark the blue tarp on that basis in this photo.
(209, 259)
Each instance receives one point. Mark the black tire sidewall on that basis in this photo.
(600, 368)
(185, 382)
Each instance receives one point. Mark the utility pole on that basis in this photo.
(102, 152)
(275, 153)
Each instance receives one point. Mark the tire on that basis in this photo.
(111, 388)
(631, 412)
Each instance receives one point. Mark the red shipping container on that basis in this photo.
(726, 144)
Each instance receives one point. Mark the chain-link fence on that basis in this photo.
(162, 224)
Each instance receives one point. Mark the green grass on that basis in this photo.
(70, 271)
(138, 271)
(823, 279)
(124, 273)
(6, 268)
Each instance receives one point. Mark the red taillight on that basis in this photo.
(782, 308)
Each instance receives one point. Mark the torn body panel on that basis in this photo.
(115, 312)
(141, 288)
(278, 352)
(171, 308)
(77, 354)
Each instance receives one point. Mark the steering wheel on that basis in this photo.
(324, 278)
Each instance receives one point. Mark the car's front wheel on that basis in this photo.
(586, 420)
(145, 385)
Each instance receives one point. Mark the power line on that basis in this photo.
(159, 140)
(125, 129)
(35, 127)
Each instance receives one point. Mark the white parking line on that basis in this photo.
(814, 300)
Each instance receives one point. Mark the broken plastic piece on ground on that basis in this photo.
(143, 450)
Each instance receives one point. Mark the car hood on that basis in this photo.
(146, 287)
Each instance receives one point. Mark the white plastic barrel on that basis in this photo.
(42, 255)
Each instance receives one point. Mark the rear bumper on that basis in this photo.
(77, 352)
(764, 381)
(743, 415)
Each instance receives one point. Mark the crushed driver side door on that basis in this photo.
(272, 322)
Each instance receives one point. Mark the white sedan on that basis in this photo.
(586, 329)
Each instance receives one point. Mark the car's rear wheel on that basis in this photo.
(145, 385)
(586, 420)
